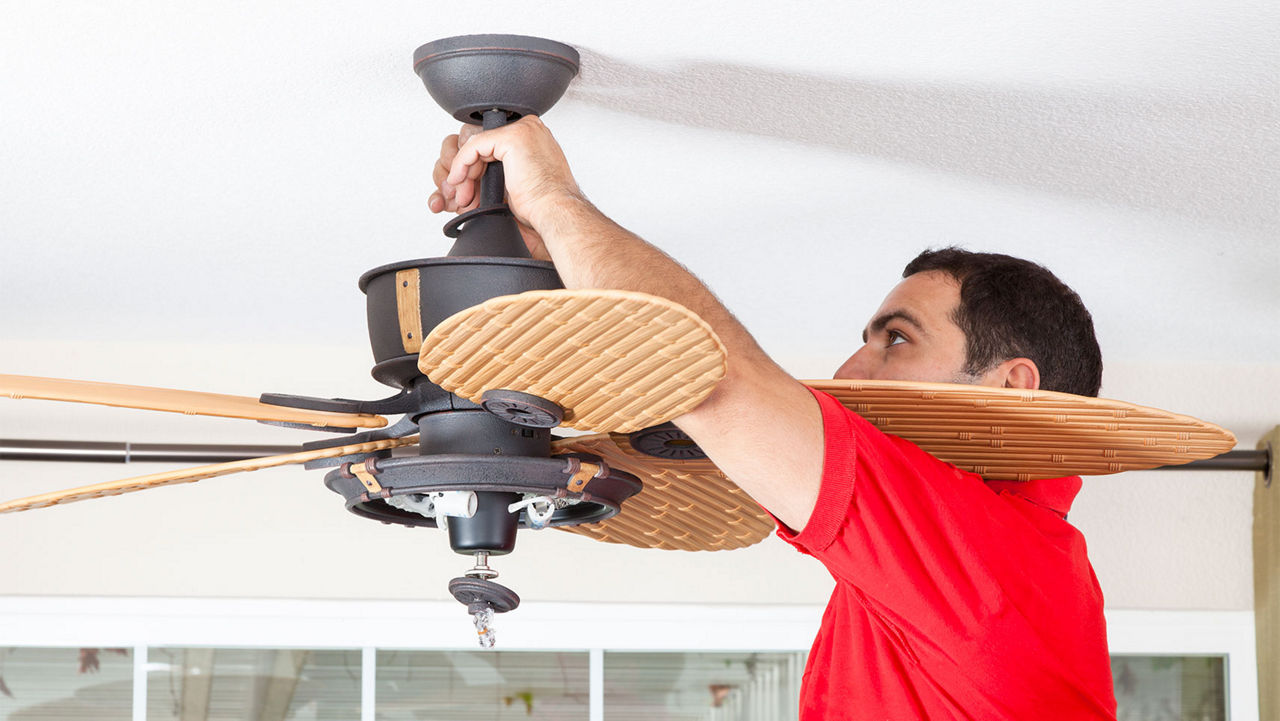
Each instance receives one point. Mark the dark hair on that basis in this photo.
(1013, 308)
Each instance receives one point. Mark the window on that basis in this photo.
(229, 684)
(227, 660)
(702, 686)
(66, 683)
(1170, 688)
(462, 685)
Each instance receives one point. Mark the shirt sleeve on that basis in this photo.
(895, 482)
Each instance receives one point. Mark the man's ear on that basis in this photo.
(1018, 373)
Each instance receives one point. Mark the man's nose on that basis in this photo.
(857, 367)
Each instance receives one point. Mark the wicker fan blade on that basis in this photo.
(1014, 434)
(999, 433)
(686, 505)
(614, 360)
(176, 401)
(198, 473)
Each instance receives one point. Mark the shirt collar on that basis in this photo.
(1056, 494)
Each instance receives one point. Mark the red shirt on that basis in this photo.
(955, 598)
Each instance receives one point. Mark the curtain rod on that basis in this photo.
(12, 449)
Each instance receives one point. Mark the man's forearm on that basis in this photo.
(592, 251)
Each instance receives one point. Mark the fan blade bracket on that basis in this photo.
(417, 399)
(421, 396)
(337, 461)
(308, 427)
(366, 472)
(403, 402)
(401, 428)
(582, 469)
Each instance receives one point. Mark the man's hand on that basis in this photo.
(537, 174)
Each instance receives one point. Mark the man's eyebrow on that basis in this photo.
(885, 319)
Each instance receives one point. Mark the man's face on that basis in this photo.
(912, 337)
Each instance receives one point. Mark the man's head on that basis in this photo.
(980, 318)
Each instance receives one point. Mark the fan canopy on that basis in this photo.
(469, 74)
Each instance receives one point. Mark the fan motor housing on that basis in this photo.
(406, 300)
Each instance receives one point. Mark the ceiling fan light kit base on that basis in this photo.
(583, 489)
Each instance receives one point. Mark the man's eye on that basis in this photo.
(895, 338)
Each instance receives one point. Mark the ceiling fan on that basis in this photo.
(488, 352)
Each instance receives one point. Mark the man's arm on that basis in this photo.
(760, 426)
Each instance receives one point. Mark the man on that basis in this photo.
(954, 598)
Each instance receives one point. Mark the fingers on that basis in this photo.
(444, 198)
(467, 131)
(448, 149)
(535, 167)
(469, 188)
(438, 202)
(467, 166)
(475, 151)
(478, 149)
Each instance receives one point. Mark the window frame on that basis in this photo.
(369, 625)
